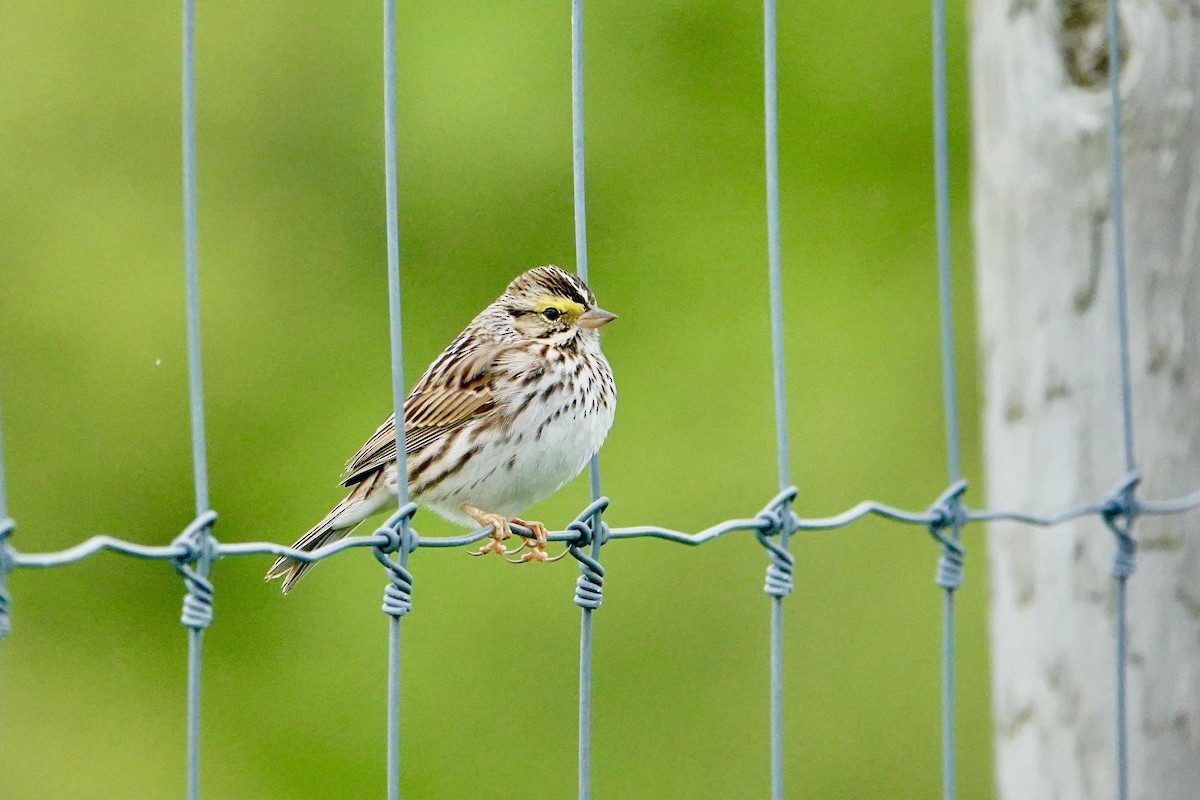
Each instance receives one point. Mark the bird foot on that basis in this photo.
(500, 531)
(537, 548)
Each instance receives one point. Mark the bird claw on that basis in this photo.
(537, 554)
(500, 531)
(537, 548)
(493, 545)
(533, 555)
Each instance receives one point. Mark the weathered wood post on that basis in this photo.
(1052, 419)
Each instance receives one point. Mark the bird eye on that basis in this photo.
(552, 313)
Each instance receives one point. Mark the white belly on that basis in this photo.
(531, 457)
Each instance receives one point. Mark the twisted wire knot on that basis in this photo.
(397, 531)
(589, 586)
(200, 550)
(770, 521)
(950, 566)
(777, 519)
(1118, 512)
(589, 529)
(948, 512)
(398, 537)
(397, 595)
(779, 571)
(7, 565)
(1124, 561)
(583, 533)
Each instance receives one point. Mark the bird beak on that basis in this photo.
(594, 318)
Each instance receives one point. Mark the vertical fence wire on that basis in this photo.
(771, 128)
(3, 485)
(5, 531)
(397, 357)
(581, 268)
(195, 381)
(948, 577)
(1117, 200)
(1117, 192)
(191, 259)
(577, 164)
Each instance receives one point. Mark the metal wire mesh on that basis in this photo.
(194, 550)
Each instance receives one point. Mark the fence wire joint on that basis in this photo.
(397, 536)
(778, 519)
(200, 550)
(949, 514)
(589, 529)
(1119, 511)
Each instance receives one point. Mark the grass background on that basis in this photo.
(296, 375)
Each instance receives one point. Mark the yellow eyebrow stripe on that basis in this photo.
(561, 303)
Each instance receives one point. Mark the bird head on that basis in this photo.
(551, 305)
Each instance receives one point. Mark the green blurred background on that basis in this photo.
(296, 375)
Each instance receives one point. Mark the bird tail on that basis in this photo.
(321, 534)
(367, 498)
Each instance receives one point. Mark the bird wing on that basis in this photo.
(456, 389)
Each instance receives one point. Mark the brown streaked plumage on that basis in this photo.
(512, 409)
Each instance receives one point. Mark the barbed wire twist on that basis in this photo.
(200, 549)
(1119, 511)
(589, 527)
(398, 538)
(777, 519)
(948, 514)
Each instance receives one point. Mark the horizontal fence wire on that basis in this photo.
(774, 518)
(194, 549)
(765, 520)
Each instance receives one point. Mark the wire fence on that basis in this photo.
(195, 549)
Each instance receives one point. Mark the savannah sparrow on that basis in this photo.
(509, 412)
